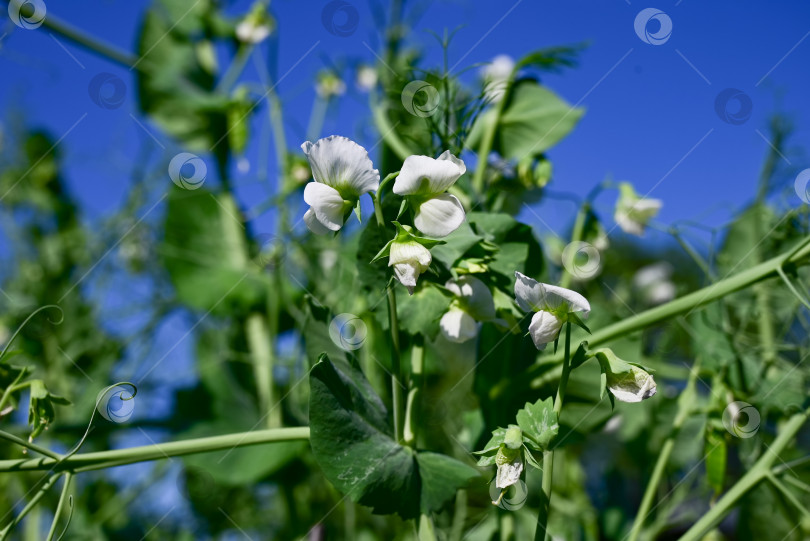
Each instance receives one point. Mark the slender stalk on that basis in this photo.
(102, 459)
(29, 445)
(62, 499)
(396, 384)
(260, 342)
(317, 117)
(387, 131)
(487, 141)
(459, 516)
(757, 473)
(235, 69)
(32, 503)
(13, 388)
(411, 407)
(548, 456)
(685, 406)
(377, 199)
(789, 496)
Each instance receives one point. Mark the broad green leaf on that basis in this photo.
(206, 253)
(352, 442)
(534, 120)
(420, 313)
(539, 422)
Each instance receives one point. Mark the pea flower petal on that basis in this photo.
(544, 328)
(344, 165)
(532, 295)
(326, 208)
(633, 212)
(409, 259)
(634, 385)
(439, 216)
(458, 326)
(423, 175)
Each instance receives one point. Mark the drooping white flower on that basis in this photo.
(632, 386)
(409, 259)
(256, 26)
(473, 303)
(509, 458)
(496, 74)
(366, 78)
(343, 172)
(424, 180)
(552, 305)
(633, 212)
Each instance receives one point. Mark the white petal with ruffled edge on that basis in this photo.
(422, 175)
(633, 386)
(532, 295)
(544, 328)
(326, 203)
(458, 326)
(508, 474)
(342, 164)
(439, 216)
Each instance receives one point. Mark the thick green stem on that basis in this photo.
(62, 499)
(387, 131)
(396, 378)
(685, 407)
(757, 473)
(412, 406)
(103, 459)
(548, 456)
(260, 343)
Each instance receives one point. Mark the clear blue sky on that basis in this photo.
(650, 108)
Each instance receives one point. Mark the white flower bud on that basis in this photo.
(634, 385)
(409, 259)
(544, 328)
(458, 326)
(633, 213)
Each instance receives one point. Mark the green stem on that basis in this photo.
(103, 459)
(62, 499)
(548, 456)
(316, 119)
(387, 131)
(377, 199)
(13, 388)
(30, 505)
(788, 495)
(427, 532)
(260, 343)
(29, 445)
(687, 303)
(235, 69)
(396, 385)
(576, 236)
(459, 516)
(411, 407)
(488, 139)
(685, 406)
(757, 473)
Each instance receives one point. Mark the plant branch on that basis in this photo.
(62, 498)
(396, 384)
(29, 445)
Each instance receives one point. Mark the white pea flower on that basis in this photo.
(256, 26)
(509, 458)
(473, 303)
(343, 172)
(329, 85)
(366, 78)
(654, 283)
(552, 305)
(495, 75)
(509, 473)
(409, 259)
(627, 382)
(633, 213)
(425, 180)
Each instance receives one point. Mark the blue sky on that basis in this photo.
(650, 108)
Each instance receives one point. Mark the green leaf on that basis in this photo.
(420, 313)
(539, 422)
(206, 254)
(352, 442)
(534, 120)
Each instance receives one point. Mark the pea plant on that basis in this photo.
(402, 356)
